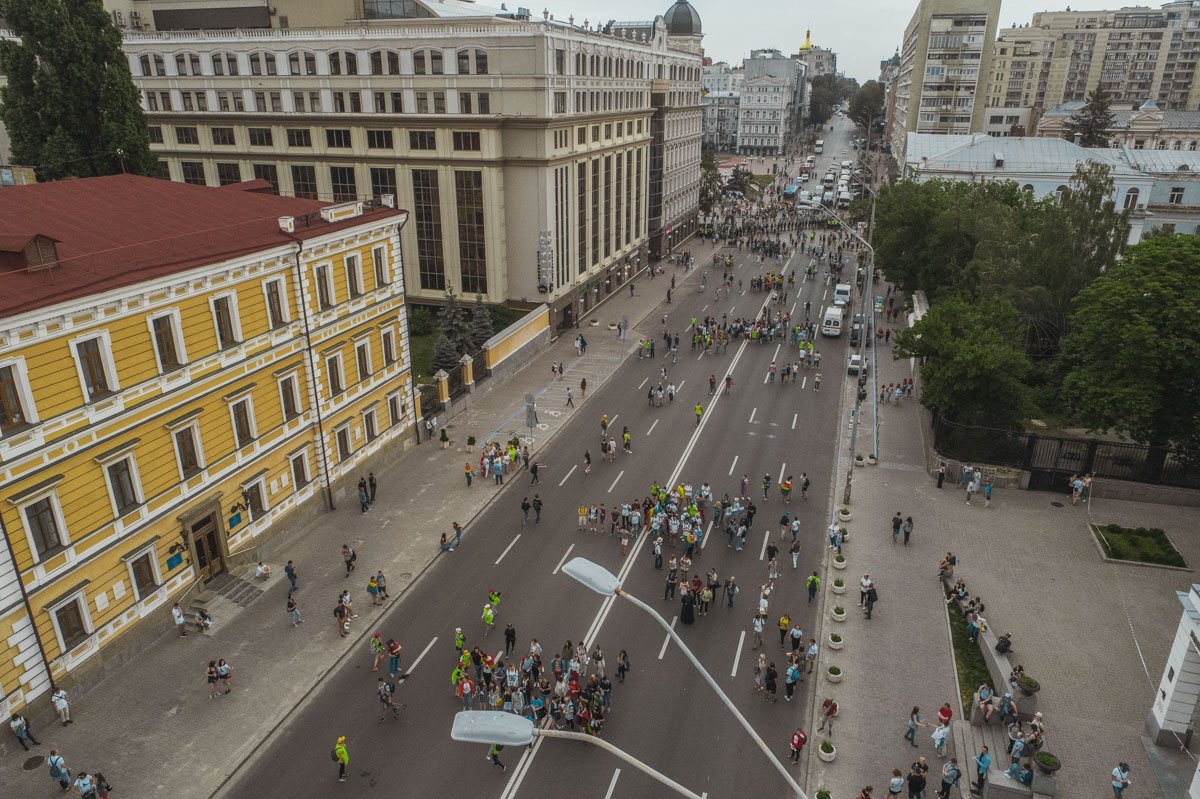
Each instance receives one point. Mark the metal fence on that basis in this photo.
(1051, 460)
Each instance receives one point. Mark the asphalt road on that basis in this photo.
(664, 714)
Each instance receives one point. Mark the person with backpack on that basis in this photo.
(387, 693)
(58, 770)
(799, 738)
(342, 758)
(950, 775)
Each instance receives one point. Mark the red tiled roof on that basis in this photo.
(123, 229)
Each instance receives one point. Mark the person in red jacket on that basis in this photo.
(799, 738)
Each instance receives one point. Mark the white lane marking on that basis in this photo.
(566, 555)
(762, 553)
(781, 468)
(704, 540)
(735, 457)
(826, 294)
(738, 655)
(424, 651)
(614, 482)
(612, 785)
(651, 430)
(796, 416)
(730, 311)
(766, 377)
(505, 552)
(705, 308)
(752, 416)
(793, 311)
(776, 355)
(804, 382)
(610, 421)
(644, 382)
(667, 639)
(568, 474)
(701, 355)
(679, 387)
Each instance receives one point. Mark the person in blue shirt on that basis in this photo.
(983, 761)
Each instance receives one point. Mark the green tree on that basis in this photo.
(445, 354)
(70, 105)
(454, 326)
(710, 183)
(974, 365)
(866, 104)
(822, 97)
(481, 324)
(1131, 357)
(1092, 122)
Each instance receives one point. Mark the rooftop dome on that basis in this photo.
(682, 19)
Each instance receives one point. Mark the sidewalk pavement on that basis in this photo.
(155, 710)
(1096, 634)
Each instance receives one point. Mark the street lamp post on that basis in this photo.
(604, 582)
(506, 729)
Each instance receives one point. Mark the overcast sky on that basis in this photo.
(862, 32)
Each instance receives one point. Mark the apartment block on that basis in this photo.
(499, 131)
(945, 61)
(181, 369)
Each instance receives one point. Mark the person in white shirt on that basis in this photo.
(62, 706)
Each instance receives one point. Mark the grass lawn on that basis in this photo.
(1137, 544)
(968, 660)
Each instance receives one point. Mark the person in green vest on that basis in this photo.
(489, 619)
(342, 757)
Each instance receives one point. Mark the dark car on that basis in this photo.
(856, 329)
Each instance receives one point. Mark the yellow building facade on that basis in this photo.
(176, 377)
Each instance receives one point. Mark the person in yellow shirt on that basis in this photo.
(342, 757)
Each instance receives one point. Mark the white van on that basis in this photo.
(827, 199)
(843, 200)
(831, 323)
(805, 198)
(846, 165)
(841, 294)
(810, 161)
(828, 180)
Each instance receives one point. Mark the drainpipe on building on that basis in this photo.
(312, 371)
(37, 636)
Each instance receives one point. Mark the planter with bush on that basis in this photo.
(1047, 763)
(833, 674)
(826, 752)
(835, 641)
(839, 613)
(839, 585)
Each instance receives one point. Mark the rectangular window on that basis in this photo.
(94, 368)
(187, 451)
(464, 102)
(186, 135)
(269, 173)
(595, 215)
(1176, 197)
(395, 409)
(383, 181)
(560, 62)
(41, 520)
(260, 137)
(71, 625)
(337, 137)
(342, 434)
(243, 423)
(276, 102)
(228, 174)
(145, 579)
(324, 286)
(472, 252)
(379, 139)
(397, 102)
(419, 62)
(304, 182)
(353, 276)
(299, 470)
(344, 186)
(581, 213)
(167, 337)
(14, 399)
(439, 102)
(427, 212)
(464, 62)
(370, 430)
(225, 320)
(276, 315)
(560, 102)
(422, 140)
(422, 102)
(299, 137)
(379, 266)
(388, 341)
(335, 375)
(255, 500)
(121, 483)
(260, 102)
(435, 62)
(608, 207)
(289, 398)
(193, 172)
(362, 360)
(156, 134)
(314, 102)
(466, 140)
(298, 102)
(581, 135)
(483, 103)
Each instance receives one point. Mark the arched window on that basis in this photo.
(262, 63)
(1060, 191)
(385, 62)
(1178, 145)
(1192, 144)
(187, 64)
(224, 64)
(343, 62)
(1027, 187)
(1131, 198)
(302, 63)
(1160, 145)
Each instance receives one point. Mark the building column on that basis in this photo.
(468, 366)
(1170, 718)
(442, 380)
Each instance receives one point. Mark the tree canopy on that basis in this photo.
(710, 183)
(1092, 122)
(70, 106)
(1134, 345)
(867, 104)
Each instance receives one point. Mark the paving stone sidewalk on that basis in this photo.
(1096, 634)
(150, 726)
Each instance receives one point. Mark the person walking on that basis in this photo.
(510, 638)
(699, 410)
(58, 770)
(872, 598)
(537, 508)
(908, 528)
(897, 521)
(293, 610)
(799, 738)
(914, 722)
(342, 756)
(950, 775)
(364, 500)
(179, 619)
(829, 710)
(371, 486)
(348, 557)
(916, 782)
(983, 762)
(812, 584)
(20, 728)
(493, 757)
(1120, 779)
(289, 571)
(225, 674)
(62, 706)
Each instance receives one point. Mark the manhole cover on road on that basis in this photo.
(34, 762)
(406, 576)
(1057, 504)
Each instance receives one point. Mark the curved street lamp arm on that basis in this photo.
(623, 755)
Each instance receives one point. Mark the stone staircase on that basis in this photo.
(223, 595)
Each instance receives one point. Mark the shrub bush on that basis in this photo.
(420, 322)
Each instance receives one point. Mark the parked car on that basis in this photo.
(857, 365)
